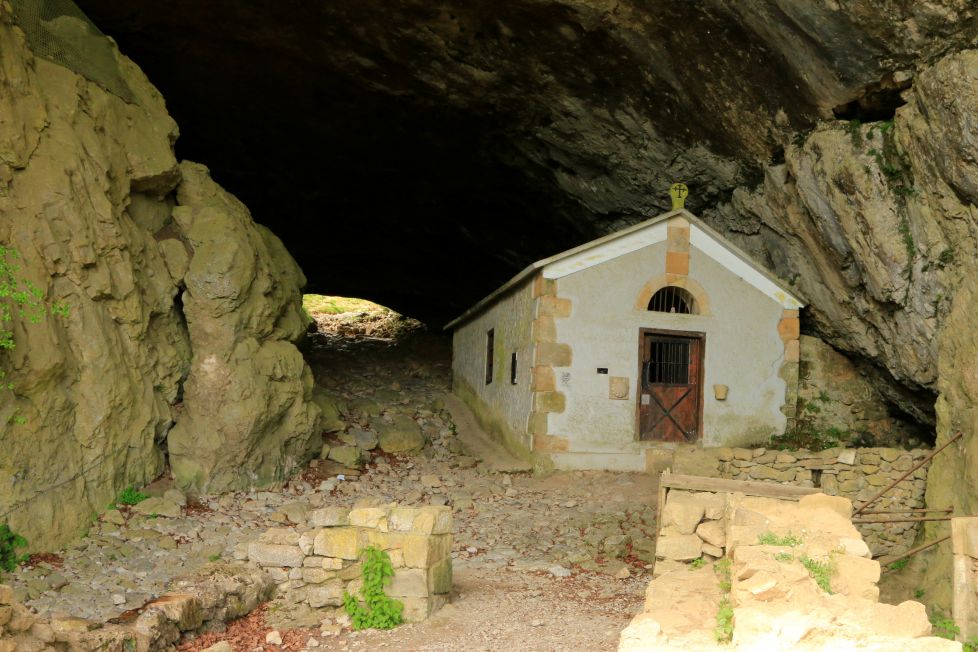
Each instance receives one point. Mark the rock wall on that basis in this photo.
(179, 307)
(855, 473)
(316, 563)
(838, 399)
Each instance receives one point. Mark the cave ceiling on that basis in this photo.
(419, 153)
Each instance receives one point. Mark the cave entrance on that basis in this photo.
(349, 319)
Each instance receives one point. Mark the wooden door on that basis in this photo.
(671, 386)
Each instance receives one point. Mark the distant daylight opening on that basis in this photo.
(344, 319)
(673, 299)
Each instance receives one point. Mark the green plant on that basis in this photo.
(971, 645)
(378, 611)
(784, 556)
(722, 569)
(724, 629)
(699, 562)
(907, 236)
(772, 539)
(943, 626)
(855, 133)
(918, 594)
(18, 296)
(10, 541)
(130, 496)
(899, 564)
(215, 557)
(823, 396)
(821, 572)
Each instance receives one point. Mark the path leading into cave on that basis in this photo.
(552, 562)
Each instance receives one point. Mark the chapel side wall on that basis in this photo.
(744, 350)
(501, 407)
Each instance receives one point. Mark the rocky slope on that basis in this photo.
(179, 306)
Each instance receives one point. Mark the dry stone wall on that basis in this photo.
(796, 576)
(854, 473)
(313, 565)
(202, 602)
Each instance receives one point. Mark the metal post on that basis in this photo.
(946, 510)
(903, 477)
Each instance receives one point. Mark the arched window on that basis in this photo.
(673, 299)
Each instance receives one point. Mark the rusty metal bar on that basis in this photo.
(902, 520)
(903, 477)
(913, 551)
(946, 510)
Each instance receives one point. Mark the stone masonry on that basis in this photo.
(796, 576)
(854, 473)
(197, 603)
(314, 564)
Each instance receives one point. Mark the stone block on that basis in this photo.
(549, 402)
(552, 354)
(679, 547)
(839, 505)
(280, 536)
(440, 577)
(270, 554)
(350, 456)
(789, 328)
(544, 286)
(856, 576)
(677, 262)
(544, 329)
(6, 594)
(683, 511)
(416, 610)
(713, 551)
(422, 551)
(424, 520)
(370, 517)
(6, 613)
(847, 457)
(744, 454)
(408, 583)
(332, 563)
(182, 609)
(557, 307)
(329, 517)
(724, 454)
(306, 541)
(537, 424)
(328, 594)
(542, 379)
(550, 443)
(713, 533)
(317, 575)
(342, 542)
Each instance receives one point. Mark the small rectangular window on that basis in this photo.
(512, 369)
(490, 336)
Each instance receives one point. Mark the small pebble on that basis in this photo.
(273, 638)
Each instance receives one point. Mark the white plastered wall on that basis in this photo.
(743, 351)
(511, 318)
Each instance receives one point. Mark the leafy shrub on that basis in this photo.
(10, 541)
(131, 496)
(379, 611)
(944, 627)
(821, 572)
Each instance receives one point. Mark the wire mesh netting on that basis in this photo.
(57, 30)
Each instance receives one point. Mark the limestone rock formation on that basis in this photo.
(247, 417)
(87, 183)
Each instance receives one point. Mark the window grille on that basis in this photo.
(669, 363)
(673, 299)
